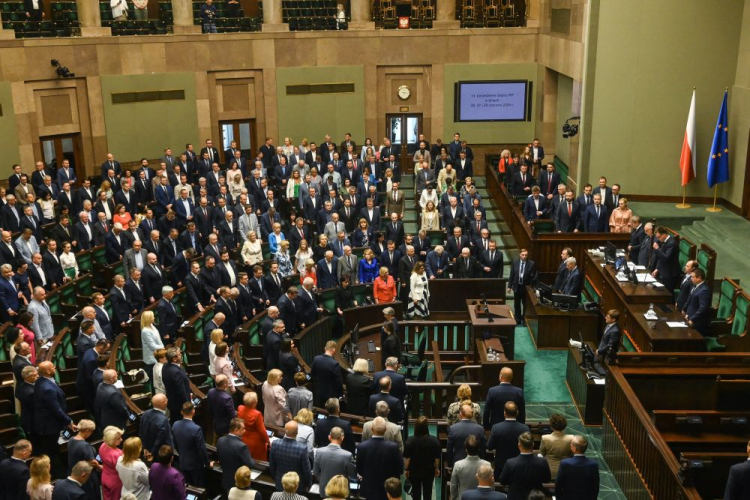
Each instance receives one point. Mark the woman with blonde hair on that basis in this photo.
(358, 388)
(110, 454)
(284, 260)
(368, 267)
(150, 340)
(276, 411)
(293, 185)
(252, 251)
(217, 336)
(384, 287)
(337, 488)
(132, 471)
(304, 253)
(255, 436)
(39, 486)
(236, 184)
(107, 188)
(305, 432)
(620, 220)
(242, 489)
(463, 396)
(430, 217)
(290, 484)
(309, 272)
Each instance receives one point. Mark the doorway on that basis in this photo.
(57, 148)
(241, 131)
(403, 130)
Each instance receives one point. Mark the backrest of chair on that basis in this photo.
(687, 251)
(727, 292)
(706, 257)
(739, 325)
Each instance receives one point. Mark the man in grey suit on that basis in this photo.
(392, 431)
(464, 475)
(424, 176)
(135, 258)
(333, 460)
(42, 324)
(248, 222)
(26, 245)
(332, 228)
(349, 266)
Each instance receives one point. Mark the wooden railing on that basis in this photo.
(650, 470)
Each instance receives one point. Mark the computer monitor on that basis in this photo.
(565, 301)
(545, 291)
(610, 253)
(355, 335)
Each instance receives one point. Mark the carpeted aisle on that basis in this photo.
(545, 370)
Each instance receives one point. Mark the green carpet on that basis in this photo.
(544, 380)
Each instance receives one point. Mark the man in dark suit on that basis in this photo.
(11, 214)
(323, 426)
(154, 429)
(603, 190)
(666, 265)
(525, 472)
(396, 414)
(328, 271)
(456, 244)
(273, 284)
(233, 453)
(494, 406)
(610, 342)
(34, 12)
(191, 445)
(288, 310)
(738, 483)
(176, 383)
(485, 487)
(109, 405)
(522, 182)
(378, 460)
(686, 286)
(326, 375)
(398, 381)
(14, 473)
(491, 261)
(394, 230)
(221, 406)
(167, 313)
(567, 215)
(504, 437)
(636, 238)
(573, 282)
(213, 153)
(390, 258)
(596, 217)
(578, 477)
(211, 280)
(522, 273)
(307, 306)
(115, 245)
(535, 206)
(697, 310)
(548, 181)
(458, 432)
(466, 265)
(646, 256)
(50, 413)
(70, 488)
(25, 396)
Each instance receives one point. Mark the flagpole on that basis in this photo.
(714, 208)
(683, 204)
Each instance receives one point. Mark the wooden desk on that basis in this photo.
(552, 328)
(503, 326)
(657, 336)
(614, 293)
(587, 395)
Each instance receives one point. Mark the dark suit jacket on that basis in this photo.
(578, 479)
(190, 444)
(288, 312)
(10, 222)
(154, 430)
(518, 185)
(14, 474)
(120, 306)
(457, 434)
(211, 282)
(377, 460)
(666, 260)
(523, 474)
(110, 407)
(483, 493)
(100, 234)
(273, 290)
(105, 323)
(504, 440)
(168, 320)
(25, 395)
(495, 404)
(135, 295)
(396, 414)
(594, 224)
(686, 285)
(529, 275)
(573, 283)
(495, 264)
(398, 383)
(177, 384)
(698, 307)
(222, 410)
(50, 416)
(397, 234)
(610, 343)
(307, 308)
(66, 489)
(738, 483)
(114, 250)
(453, 249)
(636, 237)
(545, 185)
(323, 428)
(564, 222)
(152, 282)
(326, 374)
(472, 270)
(530, 210)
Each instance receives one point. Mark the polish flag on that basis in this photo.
(687, 157)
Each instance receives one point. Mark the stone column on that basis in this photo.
(182, 18)
(361, 15)
(446, 15)
(6, 34)
(91, 19)
(273, 17)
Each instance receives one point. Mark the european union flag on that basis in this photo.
(718, 162)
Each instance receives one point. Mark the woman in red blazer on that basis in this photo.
(384, 287)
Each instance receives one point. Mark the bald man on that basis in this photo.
(155, 430)
(109, 405)
(50, 416)
(494, 406)
(288, 455)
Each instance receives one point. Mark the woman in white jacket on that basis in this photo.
(151, 341)
(119, 9)
(419, 293)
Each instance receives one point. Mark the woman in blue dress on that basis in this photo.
(368, 267)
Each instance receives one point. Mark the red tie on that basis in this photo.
(570, 210)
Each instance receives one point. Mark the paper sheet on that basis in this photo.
(676, 324)
(254, 474)
(599, 381)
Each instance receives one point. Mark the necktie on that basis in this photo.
(597, 211)
(570, 210)
(549, 182)
(479, 226)
(520, 275)
(492, 256)
(278, 282)
(523, 178)
(31, 219)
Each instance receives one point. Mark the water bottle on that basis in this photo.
(651, 311)
(490, 354)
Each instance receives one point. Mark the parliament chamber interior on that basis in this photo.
(427, 249)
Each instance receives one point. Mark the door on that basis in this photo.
(241, 131)
(57, 148)
(403, 130)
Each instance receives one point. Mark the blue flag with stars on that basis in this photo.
(718, 162)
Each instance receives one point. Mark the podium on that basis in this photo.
(496, 322)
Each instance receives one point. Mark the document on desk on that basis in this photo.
(676, 324)
(645, 278)
(254, 474)
(314, 489)
(599, 381)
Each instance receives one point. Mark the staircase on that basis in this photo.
(498, 228)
